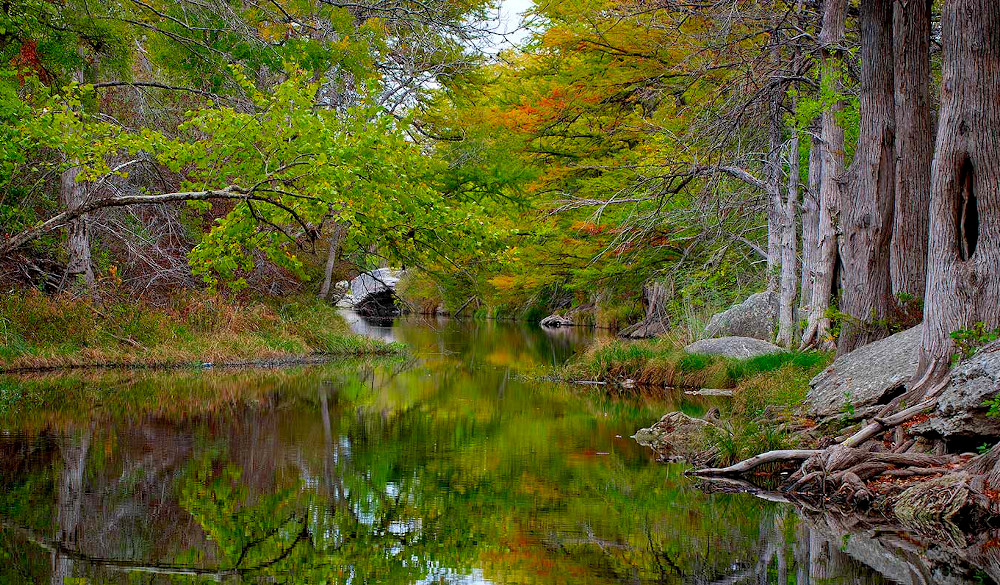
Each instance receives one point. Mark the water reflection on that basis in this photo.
(451, 467)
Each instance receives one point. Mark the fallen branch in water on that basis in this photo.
(758, 460)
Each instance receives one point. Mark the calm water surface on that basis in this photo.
(453, 465)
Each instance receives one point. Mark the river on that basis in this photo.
(455, 464)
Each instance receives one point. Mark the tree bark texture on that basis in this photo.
(73, 195)
(867, 216)
(963, 280)
(824, 263)
(336, 238)
(914, 149)
(774, 181)
(810, 223)
(789, 253)
(78, 266)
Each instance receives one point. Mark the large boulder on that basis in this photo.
(555, 321)
(675, 437)
(961, 409)
(866, 378)
(755, 317)
(733, 347)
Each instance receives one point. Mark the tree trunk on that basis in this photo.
(810, 224)
(817, 333)
(789, 254)
(336, 238)
(963, 279)
(79, 270)
(774, 174)
(867, 216)
(914, 151)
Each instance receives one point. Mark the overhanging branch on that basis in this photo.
(64, 218)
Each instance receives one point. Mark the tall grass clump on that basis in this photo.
(800, 360)
(738, 439)
(657, 362)
(768, 394)
(663, 361)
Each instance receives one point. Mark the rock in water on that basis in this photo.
(374, 293)
(675, 437)
(868, 377)
(734, 347)
(961, 409)
(556, 321)
(755, 317)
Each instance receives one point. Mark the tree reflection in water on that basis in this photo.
(453, 466)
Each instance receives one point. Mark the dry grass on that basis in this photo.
(38, 331)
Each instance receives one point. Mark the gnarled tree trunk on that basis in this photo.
(79, 269)
(963, 280)
(914, 151)
(817, 332)
(73, 195)
(867, 215)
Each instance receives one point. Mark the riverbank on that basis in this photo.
(41, 332)
(764, 412)
(876, 454)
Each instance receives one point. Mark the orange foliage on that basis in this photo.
(28, 64)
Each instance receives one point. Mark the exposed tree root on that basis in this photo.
(872, 466)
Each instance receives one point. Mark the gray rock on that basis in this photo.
(374, 282)
(865, 378)
(961, 412)
(674, 437)
(755, 317)
(556, 321)
(734, 347)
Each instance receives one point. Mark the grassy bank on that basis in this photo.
(663, 362)
(38, 331)
(767, 390)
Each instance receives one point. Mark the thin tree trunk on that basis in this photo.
(867, 215)
(810, 224)
(963, 279)
(789, 254)
(336, 238)
(774, 174)
(817, 333)
(914, 151)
